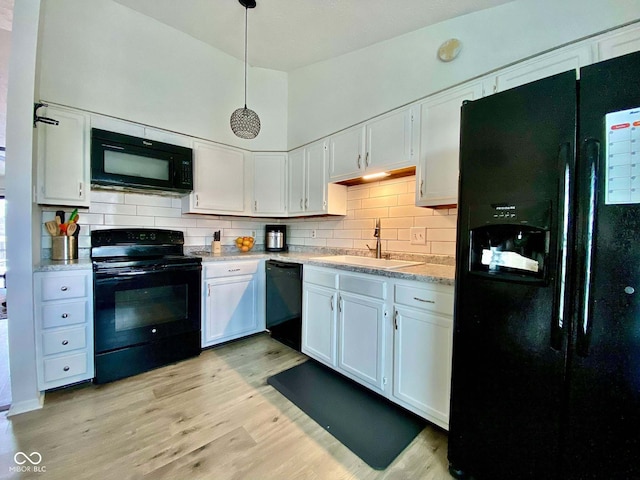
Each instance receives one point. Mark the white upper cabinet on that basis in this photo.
(270, 184)
(64, 158)
(390, 141)
(309, 190)
(296, 181)
(618, 43)
(219, 176)
(558, 61)
(316, 178)
(383, 143)
(437, 171)
(346, 154)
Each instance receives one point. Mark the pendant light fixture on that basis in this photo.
(245, 123)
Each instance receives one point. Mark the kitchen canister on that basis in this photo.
(64, 247)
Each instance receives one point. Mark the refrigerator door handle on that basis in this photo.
(565, 164)
(592, 150)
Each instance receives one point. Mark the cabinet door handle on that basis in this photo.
(64, 288)
(340, 304)
(306, 203)
(332, 303)
(209, 290)
(423, 300)
(395, 320)
(65, 315)
(255, 206)
(65, 342)
(197, 200)
(359, 158)
(80, 189)
(421, 185)
(301, 207)
(66, 368)
(366, 159)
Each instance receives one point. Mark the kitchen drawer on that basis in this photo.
(363, 286)
(324, 278)
(61, 314)
(434, 300)
(60, 287)
(231, 269)
(58, 341)
(65, 366)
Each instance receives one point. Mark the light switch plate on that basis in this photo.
(418, 235)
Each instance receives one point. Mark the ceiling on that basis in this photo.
(288, 34)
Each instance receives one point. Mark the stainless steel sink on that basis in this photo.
(367, 261)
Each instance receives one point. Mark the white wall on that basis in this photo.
(101, 56)
(21, 219)
(340, 92)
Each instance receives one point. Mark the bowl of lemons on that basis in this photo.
(244, 244)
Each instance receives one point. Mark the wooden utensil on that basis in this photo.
(52, 228)
(71, 229)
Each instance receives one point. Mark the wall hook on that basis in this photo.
(36, 118)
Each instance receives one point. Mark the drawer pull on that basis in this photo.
(65, 342)
(64, 288)
(66, 369)
(65, 315)
(234, 270)
(423, 300)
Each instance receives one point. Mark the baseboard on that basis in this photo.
(26, 406)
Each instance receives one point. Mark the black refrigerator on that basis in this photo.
(546, 348)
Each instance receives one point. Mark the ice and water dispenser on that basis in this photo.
(510, 241)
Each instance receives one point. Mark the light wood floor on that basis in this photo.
(212, 417)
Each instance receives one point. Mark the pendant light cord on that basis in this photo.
(246, 14)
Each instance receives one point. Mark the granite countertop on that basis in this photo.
(431, 272)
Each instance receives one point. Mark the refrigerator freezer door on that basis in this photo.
(508, 370)
(604, 374)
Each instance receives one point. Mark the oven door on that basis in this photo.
(134, 306)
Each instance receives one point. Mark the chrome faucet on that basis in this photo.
(376, 233)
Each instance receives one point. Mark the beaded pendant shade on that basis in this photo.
(245, 123)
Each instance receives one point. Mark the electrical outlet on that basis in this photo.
(418, 235)
(313, 233)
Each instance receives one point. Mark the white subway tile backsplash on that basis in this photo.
(106, 196)
(389, 189)
(315, 242)
(128, 220)
(113, 208)
(153, 211)
(149, 200)
(373, 212)
(339, 243)
(390, 200)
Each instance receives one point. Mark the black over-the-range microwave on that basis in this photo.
(130, 163)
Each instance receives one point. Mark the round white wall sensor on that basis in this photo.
(449, 50)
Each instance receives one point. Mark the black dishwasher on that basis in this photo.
(284, 302)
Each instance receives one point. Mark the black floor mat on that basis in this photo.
(367, 424)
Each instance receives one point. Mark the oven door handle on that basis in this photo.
(119, 272)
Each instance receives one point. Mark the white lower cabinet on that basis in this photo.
(402, 351)
(319, 314)
(63, 304)
(361, 339)
(422, 345)
(233, 300)
(319, 329)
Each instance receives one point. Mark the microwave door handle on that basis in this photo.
(112, 146)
